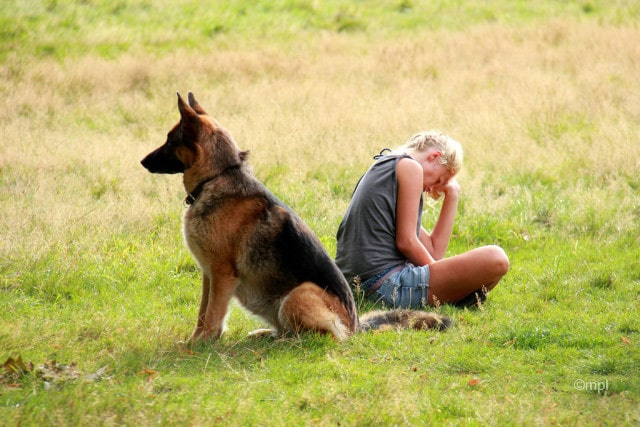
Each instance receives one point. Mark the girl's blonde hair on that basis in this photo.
(452, 156)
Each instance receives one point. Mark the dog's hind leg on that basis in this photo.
(310, 308)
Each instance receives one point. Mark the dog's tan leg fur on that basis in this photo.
(214, 306)
(309, 308)
(220, 294)
(203, 308)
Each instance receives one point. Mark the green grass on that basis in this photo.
(94, 272)
(63, 29)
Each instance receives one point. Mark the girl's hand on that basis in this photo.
(450, 189)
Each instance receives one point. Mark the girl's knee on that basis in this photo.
(499, 260)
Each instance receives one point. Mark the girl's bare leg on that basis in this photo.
(452, 279)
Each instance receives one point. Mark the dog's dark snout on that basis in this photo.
(162, 160)
(146, 163)
(150, 161)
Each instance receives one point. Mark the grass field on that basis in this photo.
(97, 287)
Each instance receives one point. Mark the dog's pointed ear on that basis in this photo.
(185, 110)
(190, 122)
(194, 104)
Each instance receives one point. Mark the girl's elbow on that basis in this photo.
(410, 248)
(438, 257)
(404, 245)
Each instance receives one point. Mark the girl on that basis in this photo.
(381, 240)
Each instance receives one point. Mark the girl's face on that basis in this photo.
(435, 176)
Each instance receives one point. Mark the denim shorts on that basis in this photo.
(406, 288)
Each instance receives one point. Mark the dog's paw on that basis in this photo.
(195, 337)
(263, 333)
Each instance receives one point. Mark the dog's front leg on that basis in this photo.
(221, 290)
(204, 300)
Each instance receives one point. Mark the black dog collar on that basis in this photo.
(192, 196)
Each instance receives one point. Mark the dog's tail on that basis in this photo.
(403, 319)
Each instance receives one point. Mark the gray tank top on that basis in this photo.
(367, 233)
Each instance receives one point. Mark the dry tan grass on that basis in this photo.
(558, 101)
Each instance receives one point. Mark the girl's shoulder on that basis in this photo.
(387, 156)
(408, 168)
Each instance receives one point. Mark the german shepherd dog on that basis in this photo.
(251, 246)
